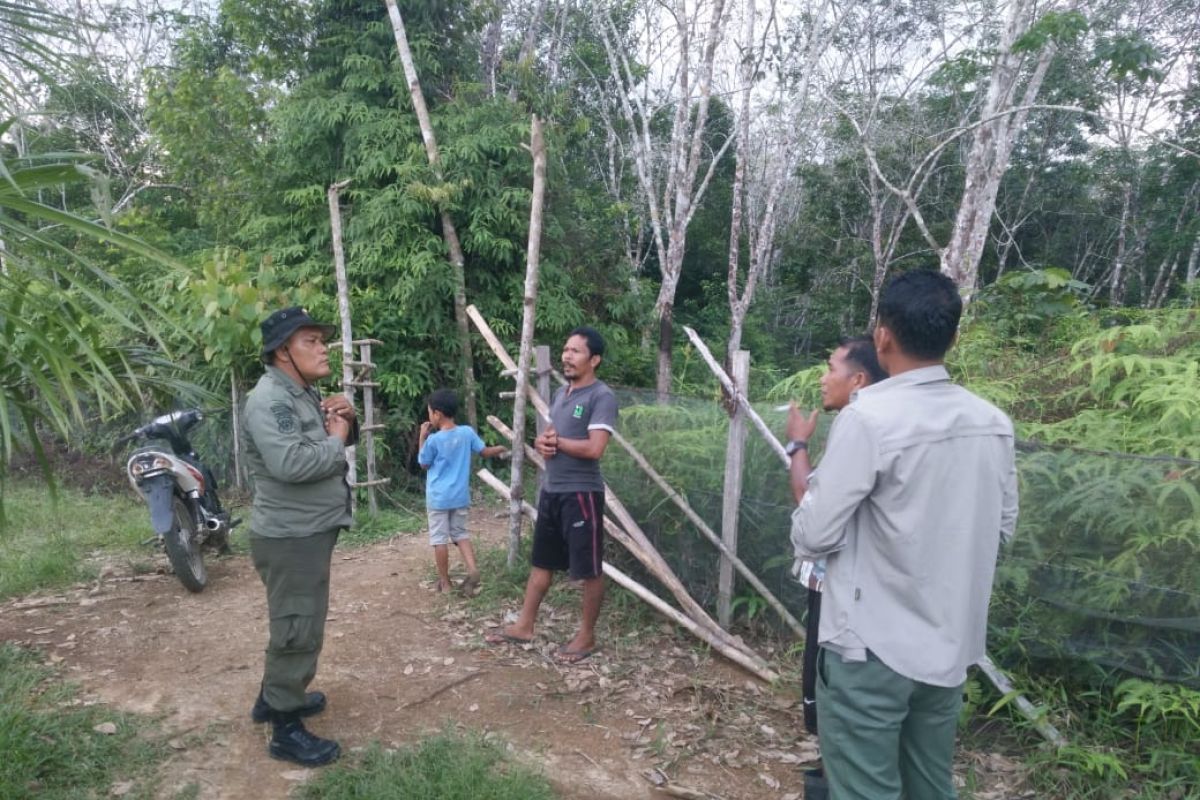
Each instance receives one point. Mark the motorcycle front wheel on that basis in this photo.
(183, 551)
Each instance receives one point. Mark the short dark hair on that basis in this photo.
(595, 342)
(921, 308)
(860, 351)
(445, 401)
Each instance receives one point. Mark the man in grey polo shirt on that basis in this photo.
(916, 490)
(569, 535)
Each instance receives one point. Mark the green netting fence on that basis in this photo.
(1105, 566)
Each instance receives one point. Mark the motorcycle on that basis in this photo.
(181, 492)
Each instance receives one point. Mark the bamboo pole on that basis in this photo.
(751, 665)
(1027, 709)
(343, 295)
(985, 664)
(516, 487)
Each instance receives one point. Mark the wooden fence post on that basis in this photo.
(368, 426)
(541, 356)
(734, 458)
(235, 418)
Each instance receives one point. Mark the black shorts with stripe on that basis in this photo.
(569, 534)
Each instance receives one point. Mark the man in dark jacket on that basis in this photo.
(296, 445)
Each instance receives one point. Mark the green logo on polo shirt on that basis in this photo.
(578, 412)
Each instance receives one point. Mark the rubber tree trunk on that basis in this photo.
(992, 146)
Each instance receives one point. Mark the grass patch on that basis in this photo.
(48, 746)
(46, 544)
(379, 528)
(448, 766)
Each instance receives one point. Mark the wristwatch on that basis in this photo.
(795, 444)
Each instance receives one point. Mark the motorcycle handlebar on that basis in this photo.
(187, 417)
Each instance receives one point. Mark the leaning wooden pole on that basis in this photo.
(985, 664)
(628, 533)
(516, 487)
(653, 559)
(738, 397)
(752, 665)
(449, 232)
(333, 194)
(706, 531)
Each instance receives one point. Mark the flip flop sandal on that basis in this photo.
(571, 657)
(498, 636)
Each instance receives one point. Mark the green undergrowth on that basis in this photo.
(49, 744)
(1095, 606)
(388, 522)
(1095, 602)
(449, 766)
(1125, 737)
(49, 543)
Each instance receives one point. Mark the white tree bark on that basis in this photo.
(525, 56)
(1193, 265)
(449, 232)
(489, 55)
(991, 147)
(668, 184)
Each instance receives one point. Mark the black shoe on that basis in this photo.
(291, 741)
(314, 703)
(815, 785)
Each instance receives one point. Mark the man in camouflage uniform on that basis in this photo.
(296, 445)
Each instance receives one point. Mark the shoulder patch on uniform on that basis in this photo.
(285, 418)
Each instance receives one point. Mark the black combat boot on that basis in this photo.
(314, 703)
(291, 741)
(816, 787)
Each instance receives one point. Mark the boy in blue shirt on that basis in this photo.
(445, 451)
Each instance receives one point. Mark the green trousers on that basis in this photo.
(295, 572)
(884, 736)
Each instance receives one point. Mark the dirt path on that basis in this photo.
(400, 662)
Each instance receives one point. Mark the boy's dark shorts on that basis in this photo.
(569, 534)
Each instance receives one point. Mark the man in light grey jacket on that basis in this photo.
(916, 490)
